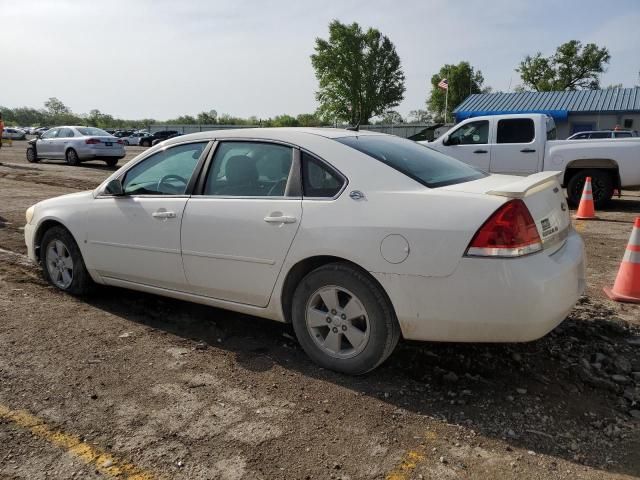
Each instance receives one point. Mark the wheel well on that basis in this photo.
(302, 268)
(596, 164)
(42, 229)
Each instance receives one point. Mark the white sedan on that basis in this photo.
(356, 238)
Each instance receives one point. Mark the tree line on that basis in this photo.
(361, 81)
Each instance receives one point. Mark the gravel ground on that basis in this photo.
(124, 384)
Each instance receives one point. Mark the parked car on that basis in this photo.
(134, 138)
(75, 145)
(158, 140)
(523, 144)
(13, 133)
(356, 238)
(40, 130)
(603, 134)
(161, 135)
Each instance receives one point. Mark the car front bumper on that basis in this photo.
(490, 299)
(29, 233)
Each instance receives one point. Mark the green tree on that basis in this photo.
(208, 118)
(309, 120)
(420, 116)
(285, 121)
(390, 117)
(56, 107)
(572, 67)
(359, 74)
(463, 80)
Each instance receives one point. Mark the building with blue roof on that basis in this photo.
(573, 111)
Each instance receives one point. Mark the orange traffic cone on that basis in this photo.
(586, 209)
(627, 285)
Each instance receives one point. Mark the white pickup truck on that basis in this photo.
(522, 144)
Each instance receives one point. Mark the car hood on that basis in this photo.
(69, 198)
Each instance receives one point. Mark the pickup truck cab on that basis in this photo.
(522, 144)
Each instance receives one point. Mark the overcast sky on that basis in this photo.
(160, 59)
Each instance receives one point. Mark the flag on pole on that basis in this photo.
(444, 84)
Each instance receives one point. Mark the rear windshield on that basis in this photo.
(93, 131)
(430, 168)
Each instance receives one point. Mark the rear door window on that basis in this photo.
(249, 169)
(622, 134)
(516, 130)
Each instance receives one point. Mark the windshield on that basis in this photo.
(430, 168)
(93, 131)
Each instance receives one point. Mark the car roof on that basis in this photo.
(274, 133)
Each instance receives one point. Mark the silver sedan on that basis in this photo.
(75, 145)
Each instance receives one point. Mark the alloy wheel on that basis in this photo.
(337, 321)
(59, 264)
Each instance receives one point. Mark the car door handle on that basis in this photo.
(480, 151)
(280, 219)
(163, 214)
(528, 150)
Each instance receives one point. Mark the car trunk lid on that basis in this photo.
(541, 193)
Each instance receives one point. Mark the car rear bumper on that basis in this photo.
(89, 153)
(490, 299)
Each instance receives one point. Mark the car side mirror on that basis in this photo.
(114, 187)
(445, 141)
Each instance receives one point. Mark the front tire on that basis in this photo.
(62, 263)
(32, 156)
(72, 157)
(601, 186)
(126, 142)
(145, 143)
(343, 320)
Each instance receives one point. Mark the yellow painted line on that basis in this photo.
(409, 462)
(579, 227)
(103, 462)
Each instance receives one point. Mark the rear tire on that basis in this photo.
(72, 157)
(32, 156)
(343, 319)
(62, 263)
(111, 162)
(145, 143)
(601, 185)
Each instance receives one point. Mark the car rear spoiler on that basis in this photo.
(520, 188)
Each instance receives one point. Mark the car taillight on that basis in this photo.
(120, 142)
(509, 232)
(91, 141)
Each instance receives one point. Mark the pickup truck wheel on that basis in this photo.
(601, 185)
(343, 319)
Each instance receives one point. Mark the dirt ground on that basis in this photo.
(127, 385)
